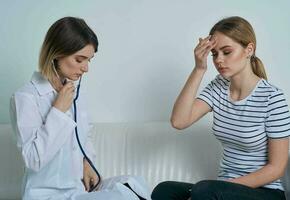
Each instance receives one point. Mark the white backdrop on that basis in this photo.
(145, 52)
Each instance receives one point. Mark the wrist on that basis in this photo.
(59, 108)
(201, 70)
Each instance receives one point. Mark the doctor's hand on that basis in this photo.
(65, 97)
(90, 178)
(202, 50)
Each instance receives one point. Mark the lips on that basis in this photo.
(222, 70)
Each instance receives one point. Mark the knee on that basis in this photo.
(201, 187)
(161, 191)
(206, 189)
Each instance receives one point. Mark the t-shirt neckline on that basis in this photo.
(242, 101)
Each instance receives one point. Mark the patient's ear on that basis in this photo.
(250, 49)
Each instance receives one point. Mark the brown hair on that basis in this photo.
(241, 31)
(65, 37)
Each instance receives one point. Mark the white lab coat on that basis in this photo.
(53, 160)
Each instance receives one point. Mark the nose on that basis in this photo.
(219, 59)
(85, 68)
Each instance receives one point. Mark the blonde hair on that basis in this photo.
(241, 31)
(65, 37)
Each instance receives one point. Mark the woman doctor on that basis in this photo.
(42, 117)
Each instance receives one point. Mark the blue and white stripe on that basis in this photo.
(244, 127)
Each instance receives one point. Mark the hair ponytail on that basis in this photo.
(258, 67)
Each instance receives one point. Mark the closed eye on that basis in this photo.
(225, 53)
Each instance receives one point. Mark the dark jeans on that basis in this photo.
(213, 190)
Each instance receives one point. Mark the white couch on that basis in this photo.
(153, 150)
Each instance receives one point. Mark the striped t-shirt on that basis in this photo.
(244, 127)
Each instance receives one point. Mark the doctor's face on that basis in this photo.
(75, 65)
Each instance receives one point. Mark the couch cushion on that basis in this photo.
(156, 151)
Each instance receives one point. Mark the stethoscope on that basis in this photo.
(76, 129)
(78, 140)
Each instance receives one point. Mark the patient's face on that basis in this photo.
(229, 57)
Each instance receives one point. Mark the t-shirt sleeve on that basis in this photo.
(206, 94)
(278, 116)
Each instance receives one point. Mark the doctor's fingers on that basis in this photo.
(68, 87)
(94, 180)
(69, 91)
(86, 182)
(93, 183)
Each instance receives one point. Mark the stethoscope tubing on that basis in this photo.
(78, 140)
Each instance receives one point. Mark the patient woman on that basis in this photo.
(42, 115)
(250, 118)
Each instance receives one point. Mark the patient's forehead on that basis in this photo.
(223, 41)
